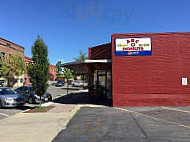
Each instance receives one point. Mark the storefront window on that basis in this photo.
(95, 77)
(109, 84)
(102, 78)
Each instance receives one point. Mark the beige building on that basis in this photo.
(8, 48)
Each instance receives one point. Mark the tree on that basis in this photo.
(82, 56)
(38, 70)
(58, 67)
(12, 68)
(68, 75)
(1, 63)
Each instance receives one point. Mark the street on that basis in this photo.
(56, 92)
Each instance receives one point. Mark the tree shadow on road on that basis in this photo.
(82, 98)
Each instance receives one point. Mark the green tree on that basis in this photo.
(68, 74)
(38, 70)
(12, 68)
(1, 58)
(58, 67)
(82, 56)
(1, 63)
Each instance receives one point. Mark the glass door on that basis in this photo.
(102, 83)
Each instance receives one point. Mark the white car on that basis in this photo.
(78, 83)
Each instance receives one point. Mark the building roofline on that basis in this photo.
(52, 65)
(153, 33)
(101, 45)
(28, 58)
(11, 42)
(87, 62)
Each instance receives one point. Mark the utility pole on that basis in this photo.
(67, 85)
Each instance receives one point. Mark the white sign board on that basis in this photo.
(184, 81)
(133, 46)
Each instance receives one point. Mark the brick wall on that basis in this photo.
(153, 80)
(8, 48)
(52, 72)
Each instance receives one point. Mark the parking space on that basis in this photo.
(6, 112)
(142, 124)
(56, 92)
(176, 116)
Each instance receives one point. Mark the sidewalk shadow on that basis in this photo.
(25, 107)
(81, 98)
(77, 89)
(19, 108)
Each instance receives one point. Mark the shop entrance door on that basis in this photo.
(103, 83)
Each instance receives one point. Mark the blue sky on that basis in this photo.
(69, 25)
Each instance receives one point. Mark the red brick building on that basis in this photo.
(145, 69)
(52, 71)
(8, 48)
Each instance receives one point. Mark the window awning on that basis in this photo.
(83, 66)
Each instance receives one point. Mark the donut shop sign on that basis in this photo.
(133, 46)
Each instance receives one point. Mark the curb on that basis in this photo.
(10, 116)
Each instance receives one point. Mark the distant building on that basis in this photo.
(8, 48)
(52, 71)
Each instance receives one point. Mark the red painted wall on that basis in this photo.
(153, 80)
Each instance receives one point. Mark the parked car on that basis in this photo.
(30, 95)
(53, 84)
(70, 81)
(85, 84)
(59, 83)
(78, 83)
(10, 98)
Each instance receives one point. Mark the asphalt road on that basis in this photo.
(155, 124)
(56, 92)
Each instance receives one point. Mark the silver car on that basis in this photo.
(78, 83)
(9, 98)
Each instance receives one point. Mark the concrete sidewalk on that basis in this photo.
(37, 127)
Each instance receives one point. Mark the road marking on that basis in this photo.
(6, 115)
(152, 117)
(175, 109)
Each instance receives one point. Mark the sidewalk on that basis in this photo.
(37, 127)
